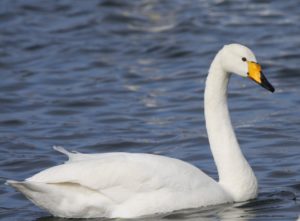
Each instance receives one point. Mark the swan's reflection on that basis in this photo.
(232, 212)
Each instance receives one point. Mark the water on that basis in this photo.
(98, 76)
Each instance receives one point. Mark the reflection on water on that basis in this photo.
(112, 75)
(270, 203)
(221, 212)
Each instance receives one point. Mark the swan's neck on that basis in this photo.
(235, 174)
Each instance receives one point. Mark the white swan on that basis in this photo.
(128, 185)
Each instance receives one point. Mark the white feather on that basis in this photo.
(126, 185)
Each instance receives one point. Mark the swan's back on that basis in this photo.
(120, 185)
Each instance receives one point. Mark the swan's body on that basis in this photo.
(131, 185)
(121, 185)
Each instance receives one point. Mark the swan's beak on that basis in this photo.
(255, 74)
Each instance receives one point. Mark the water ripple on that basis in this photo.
(112, 75)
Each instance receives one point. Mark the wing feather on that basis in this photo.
(122, 175)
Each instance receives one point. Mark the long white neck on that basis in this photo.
(235, 174)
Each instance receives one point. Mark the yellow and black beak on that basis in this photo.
(255, 74)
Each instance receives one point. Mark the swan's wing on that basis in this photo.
(121, 175)
(120, 185)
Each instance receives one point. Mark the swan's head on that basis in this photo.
(240, 60)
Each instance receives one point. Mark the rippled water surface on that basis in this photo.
(107, 75)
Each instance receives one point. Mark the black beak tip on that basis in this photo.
(266, 84)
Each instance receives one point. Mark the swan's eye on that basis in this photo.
(244, 59)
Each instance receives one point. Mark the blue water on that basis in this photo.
(108, 75)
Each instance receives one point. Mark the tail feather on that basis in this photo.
(41, 194)
(69, 200)
(11, 182)
(62, 150)
(72, 156)
(69, 154)
(25, 186)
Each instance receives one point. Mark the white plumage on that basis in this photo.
(119, 185)
(130, 185)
